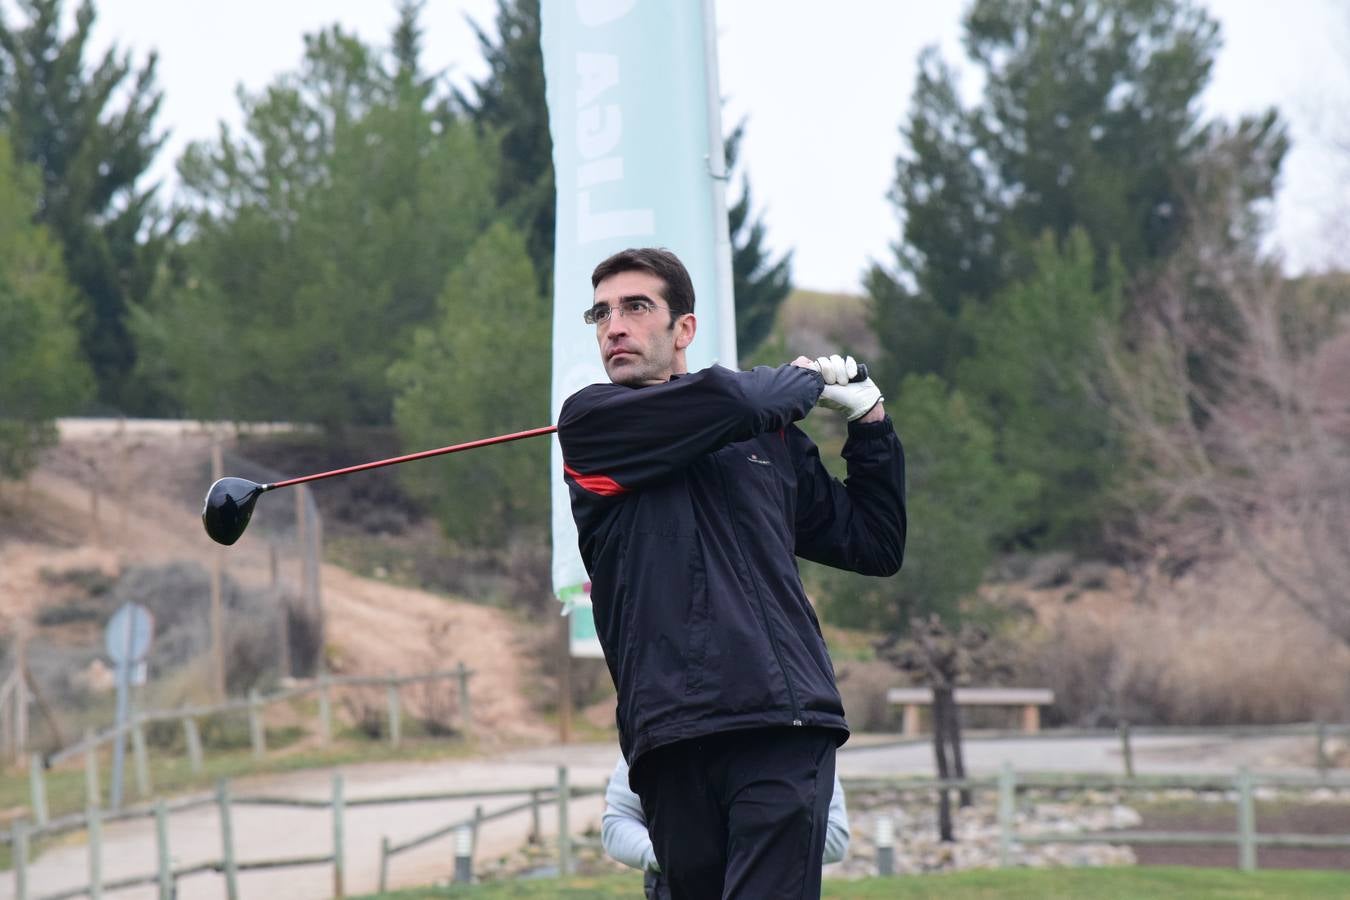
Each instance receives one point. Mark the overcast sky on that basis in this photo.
(823, 87)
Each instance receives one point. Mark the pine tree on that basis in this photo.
(350, 203)
(90, 131)
(760, 284)
(42, 374)
(1089, 118)
(510, 103)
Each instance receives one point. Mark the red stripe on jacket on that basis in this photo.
(596, 484)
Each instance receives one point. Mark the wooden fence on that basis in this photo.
(1007, 784)
(254, 707)
(229, 866)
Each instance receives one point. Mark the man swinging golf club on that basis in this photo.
(692, 492)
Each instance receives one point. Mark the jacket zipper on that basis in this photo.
(759, 597)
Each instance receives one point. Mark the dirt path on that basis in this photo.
(272, 832)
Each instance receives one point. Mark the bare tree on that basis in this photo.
(943, 659)
(1236, 400)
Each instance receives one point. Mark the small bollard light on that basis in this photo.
(885, 845)
(463, 854)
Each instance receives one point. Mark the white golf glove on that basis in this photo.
(854, 400)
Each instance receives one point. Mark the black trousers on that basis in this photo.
(740, 814)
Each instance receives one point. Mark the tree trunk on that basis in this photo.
(941, 698)
(953, 730)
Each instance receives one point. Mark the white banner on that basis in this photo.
(637, 150)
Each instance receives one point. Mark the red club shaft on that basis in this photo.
(439, 451)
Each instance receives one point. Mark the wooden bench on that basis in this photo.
(1030, 699)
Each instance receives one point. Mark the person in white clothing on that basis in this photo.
(623, 830)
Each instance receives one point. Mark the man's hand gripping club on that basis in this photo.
(856, 400)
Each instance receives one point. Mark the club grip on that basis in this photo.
(861, 376)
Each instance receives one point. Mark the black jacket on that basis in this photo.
(691, 498)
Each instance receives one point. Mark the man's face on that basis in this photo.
(640, 349)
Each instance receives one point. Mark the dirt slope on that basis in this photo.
(145, 473)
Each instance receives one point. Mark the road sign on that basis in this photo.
(127, 638)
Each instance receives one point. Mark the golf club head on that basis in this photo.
(229, 505)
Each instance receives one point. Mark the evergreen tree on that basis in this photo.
(89, 130)
(1089, 119)
(457, 385)
(759, 284)
(42, 374)
(509, 103)
(350, 202)
(1036, 368)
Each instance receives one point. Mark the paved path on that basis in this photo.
(268, 832)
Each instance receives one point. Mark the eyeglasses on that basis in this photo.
(629, 307)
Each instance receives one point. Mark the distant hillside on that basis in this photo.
(812, 323)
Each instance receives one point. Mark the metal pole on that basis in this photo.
(885, 845)
(1246, 822)
(564, 835)
(395, 714)
(256, 735)
(37, 789)
(94, 818)
(535, 836)
(465, 717)
(337, 836)
(217, 606)
(193, 738)
(1125, 750)
(1007, 793)
(20, 837)
(463, 855)
(227, 840)
(93, 794)
(325, 711)
(119, 740)
(1323, 761)
(142, 762)
(162, 851)
(717, 173)
(384, 864)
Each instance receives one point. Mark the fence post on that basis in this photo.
(37, 789)
(535, 836)
(564, 836)
(256, 735)
(192, 737)
(466, 719)
(227, 839)
(20, 838)
(337, 836)
(1125, 750)
(92, 793)
(395, 714)
(95, 824)
(1007, 811)
(162, 851)
(463, 855)
(885, 845)
(325, 710)
(1323, 761)
(142, 764)
(1246, 822)
(384, 864)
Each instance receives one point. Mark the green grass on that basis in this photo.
(1011, 884)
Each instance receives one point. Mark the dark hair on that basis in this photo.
(679, 288)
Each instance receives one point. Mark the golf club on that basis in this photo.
(230, 501)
